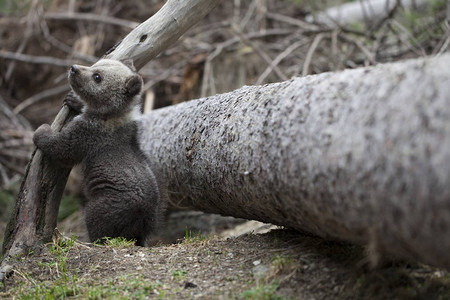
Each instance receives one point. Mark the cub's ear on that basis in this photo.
(133, 85)
(129, 63)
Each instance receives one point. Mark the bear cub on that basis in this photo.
(123, 197)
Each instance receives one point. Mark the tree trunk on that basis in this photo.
(361, 155)
(34, 218)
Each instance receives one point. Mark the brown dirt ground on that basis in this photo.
(280, 264)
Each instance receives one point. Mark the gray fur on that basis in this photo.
(122, 194)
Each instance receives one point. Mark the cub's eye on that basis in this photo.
(97, 78)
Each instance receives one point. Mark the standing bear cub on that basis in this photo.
(123, 198)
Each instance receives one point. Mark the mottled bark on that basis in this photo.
(361, 155)
(34, 217)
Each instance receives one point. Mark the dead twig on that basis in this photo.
(370, 56)
(4, 179)
(42, 95)
(443, 46)
(445, 41)
(417, 49)
(250, 11)
(48, 60)
(14, 120)
(208, 76)
(236, 10)
(11, 166)
(164, 75)
(16, 153)
(208, 68)
(310, 53)
(71, 16)
(228, 43)
(296, 22)
(379, 39)
(103, 9)
(11, 143)
(278, 59)
(387, 17)
(259, 51)
(31, 19)
(63, 47)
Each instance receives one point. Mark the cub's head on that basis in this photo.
(108, 88)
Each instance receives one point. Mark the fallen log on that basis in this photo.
(361, 11)
(361, 155)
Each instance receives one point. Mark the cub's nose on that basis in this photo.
(74, 70)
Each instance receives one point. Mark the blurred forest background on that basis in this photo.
(241, 42)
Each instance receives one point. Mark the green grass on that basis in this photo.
(122, 287)
(262, 292)
(179, 275)
(66, 283)
(190, 237)
(280, 261)
(60, 252)
(118, 242)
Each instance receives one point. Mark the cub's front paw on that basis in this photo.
(43, 131)
(73, 102)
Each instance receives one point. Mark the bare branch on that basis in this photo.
(296, 22)
(370, 56)
(66, 16)
(310, 53)
(228, 43)
(42, 95)
(36, 59)
(260, 52)
(60, 45)
(278, 59)
(163, 29)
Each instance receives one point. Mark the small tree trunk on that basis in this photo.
(36, 209)
(361, 155)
